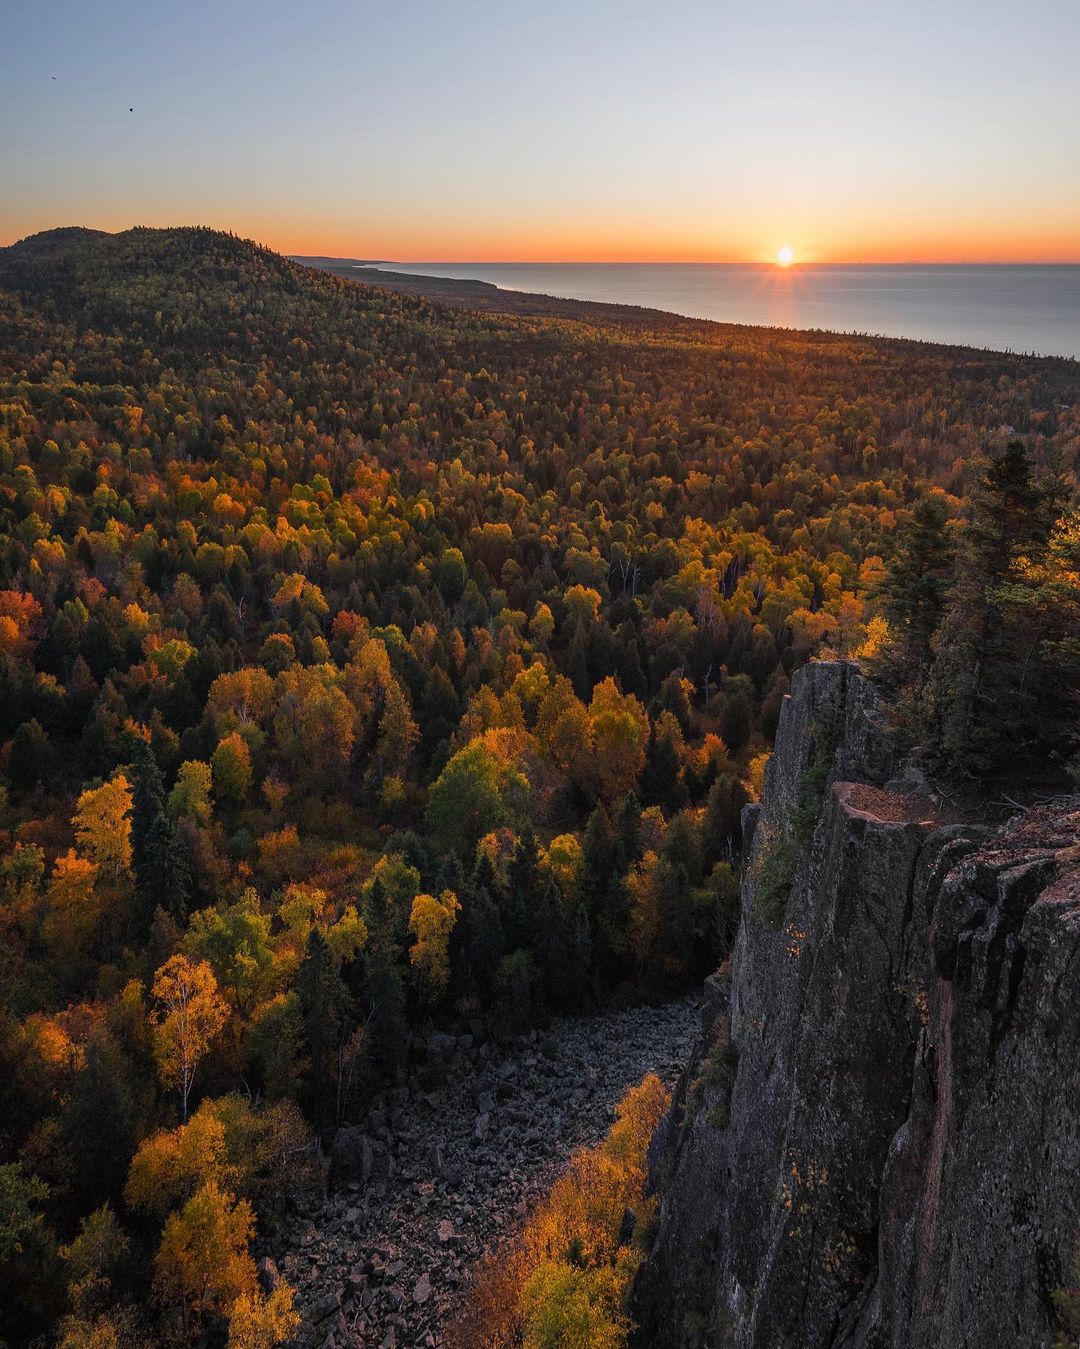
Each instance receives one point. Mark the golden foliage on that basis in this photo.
(190, 1014)
(562, 1282)
(258, 1322)
(103, 827)
(173, 1163)
(203, 1263)
(431, 922)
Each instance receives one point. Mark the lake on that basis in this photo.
(1004, 307)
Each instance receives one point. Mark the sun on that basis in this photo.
(785, 256)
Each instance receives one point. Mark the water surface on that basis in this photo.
(1005, 307)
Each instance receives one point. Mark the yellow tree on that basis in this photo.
(258, 1322)
(232, 767)
(619, 728)
(314, 726)
(582, 605)
(431, 923)
(564, 861)
(240, 698)
(173, 1163)
(190, 1014)
(72, 907)
(643, 887)
(190, 798)
(398, 732)
(103, 827)
(203, 1264)
(562, 723)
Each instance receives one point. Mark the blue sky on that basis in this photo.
(566, 130)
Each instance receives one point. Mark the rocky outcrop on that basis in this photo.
(446, 1165)
(876, 1142)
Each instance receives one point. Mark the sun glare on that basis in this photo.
(785, 256)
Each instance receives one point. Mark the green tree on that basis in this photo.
(323, 1001)
(981, 714)
(480, 789)
(916, 588)
(162, 875)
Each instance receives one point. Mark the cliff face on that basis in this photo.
(876, 1144)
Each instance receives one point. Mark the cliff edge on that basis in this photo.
(876, 1142)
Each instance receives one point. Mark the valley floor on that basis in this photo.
(440, 1175)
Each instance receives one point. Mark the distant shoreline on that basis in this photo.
(659, 306)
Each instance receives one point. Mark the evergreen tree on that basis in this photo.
(981, 717)
(162, 875)
(605, 897)
(599, 858)
(478, 943)
(384, 980)
(682, 847)
(721, 832)
(674, 940)
(663, 782)
(577, 663)
(321, 994)
(522, 891)
(916, 588)
(630, 844)
(559, 945)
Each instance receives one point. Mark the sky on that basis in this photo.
(585, 130)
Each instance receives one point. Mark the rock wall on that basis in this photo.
(877, 1140)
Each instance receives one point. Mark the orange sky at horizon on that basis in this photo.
(1046, 242)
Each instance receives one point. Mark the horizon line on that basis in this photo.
(698, 262)
(596, 261)
(378, 256)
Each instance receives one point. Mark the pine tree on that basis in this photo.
(981, 716)
(631, 844)
(604, 897)
(162, 875)
(663, 782)
(577, 662)
(916, 588)
(479, 943)
(384, 979)
(319, 987)
(522, 891)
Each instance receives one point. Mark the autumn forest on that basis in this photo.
(373, 663)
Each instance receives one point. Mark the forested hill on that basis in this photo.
(369, 664)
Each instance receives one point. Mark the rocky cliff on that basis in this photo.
(877, 1141)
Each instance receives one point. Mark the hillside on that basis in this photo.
(374, 668)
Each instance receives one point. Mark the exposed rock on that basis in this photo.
(876, 1144)
(357, 1159)
(392, 1247)
(269, 1278)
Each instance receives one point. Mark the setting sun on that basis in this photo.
(785, 256)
